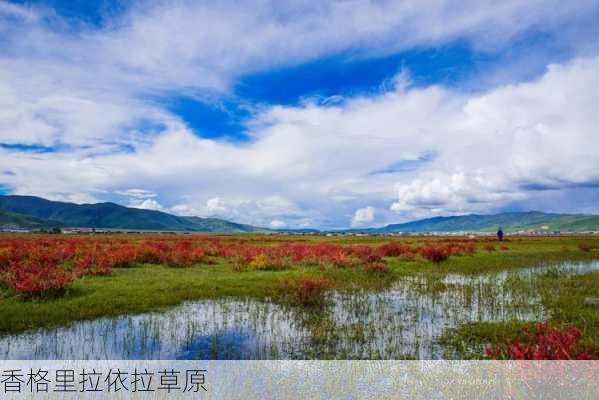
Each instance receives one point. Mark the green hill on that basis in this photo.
(220, 225)
(36, 213)
(509, 222)
(13, 220)
(113, 216)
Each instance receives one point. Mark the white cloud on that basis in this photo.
(88, 88)
(277, 224)
(13, 10)
(137, 193)
(311, 164)
(190, 43)
(315, 162)
(258, 211)
(147, 204)
(216, 206)
(363, 216)
(536, 135)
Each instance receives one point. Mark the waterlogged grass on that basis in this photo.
(347, 326)
(562, 296)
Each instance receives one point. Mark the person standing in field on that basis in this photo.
(500, 235)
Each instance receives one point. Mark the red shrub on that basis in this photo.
(378, 266)
(90, 264)
(185, 255)
(374, 258)
(341, 260)
(152, 253)
(542, 343)
(364, 253)
(307, 291)
(587, 247)
(489, 247)
(394, 250)
(123, 256)
(435, 254)
(32, 278)
(459, 249)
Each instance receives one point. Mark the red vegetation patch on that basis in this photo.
(436, 254)
(185, 254)
(459, 249)
(587, 247)
(307, 291)
(542, 343)
(36, 278)
(395, 250)
(38, 263)
(90, 264)
(377, 267)
(489, 247)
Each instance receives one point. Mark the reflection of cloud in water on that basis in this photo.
(210, 329)
(403, 321)
(574, 268)
(219, 346)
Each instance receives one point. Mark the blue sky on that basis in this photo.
(455, 64)
(76, 12)
(323, 115)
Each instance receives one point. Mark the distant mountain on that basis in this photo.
(220, 225)
(509, 222)
(37, 213)
(304, 231)
(27, 211)
(10, 220)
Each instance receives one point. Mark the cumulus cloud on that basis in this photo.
(489, 148)
(141, 198)
(277, 224)
(216, 206)
(363, 216)
(83, 104)
(512, 140)
(147, 204)
(259, 211)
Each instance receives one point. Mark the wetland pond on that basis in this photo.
(403, 321)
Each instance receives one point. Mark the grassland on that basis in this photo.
(146, 287)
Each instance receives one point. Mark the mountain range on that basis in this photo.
(508, 222)
(37, 213)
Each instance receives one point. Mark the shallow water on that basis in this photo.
(573, 268)
(404, 321)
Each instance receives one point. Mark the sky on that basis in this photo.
(297, 114)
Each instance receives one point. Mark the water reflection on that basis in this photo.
(219, 329)
(404, 321)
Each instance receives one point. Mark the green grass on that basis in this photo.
(153, 287)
